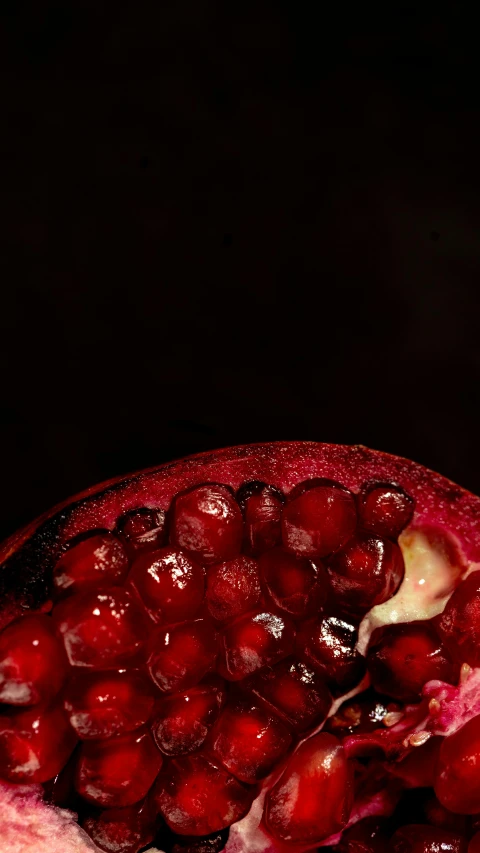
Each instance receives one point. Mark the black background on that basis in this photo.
(232, 222)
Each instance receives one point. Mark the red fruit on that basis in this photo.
(254, 641)
(183, 721)
(262, 510)
(295, 585)
(99, 560)
(207, 521)
(318, 518)
(416, 838)
(180, 655)
(294, 692)
(402, 658)
(233, 588)
(438, 815)
(249, 741)
(124, 830)
(142, 529)
(474, 846)
(459, 624)
(35, 743)
(384, 508)
(457, 778)
(366, 572)
(256, 649)
(196, 797)
(313, 797)
(101, 704)
(118, 771)
(364, 713)
(170, 584)
(328, 646)
(33, 664)
(367, 836)
(102, 629)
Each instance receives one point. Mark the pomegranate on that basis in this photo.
(266, 648)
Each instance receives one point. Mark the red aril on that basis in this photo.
(474, 846)
(118, 771)
(459, 624)
(253, 642)
(427, 839)
(207, 522)
(403, 658)
(170, 584)
(102, 629)
(180, 655)
(294, 692)
(457, 778)
(384, 508)
(367, 571)
(318, 518)
(123, 830)
(102, 704)
(294, 585)
(314, 795)
(438, 815)
(249, 741)
(98, 560)
(35, 743)
(142, 529)
(183, 721)
(329, 647)
(281, 650)
(233, 588)
(33, 664)
(197, 797)
(262, 510)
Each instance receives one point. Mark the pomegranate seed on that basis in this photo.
(474, 846)
(183, 721)
(295, 585)
(170, 584)
(33, 664)
(318, 518)
(438, 815)
(233, 588)
(35, 743)
(402, 658)
(417, 838)
(459, 624)
(97, 560)
(248, 741)
(366, 572)
(207, 522)
(196, 797)
(102, 629)
(363, 714)
(367, 836)
(294, 692)
(101, 704)
(118, 771)
(328, 646)
(313, 797)
(180, 655)
(214, 843)
(123, 830)
(254, 641)
(384, 509)
(60, 790)
(142, 529)
(262, 509)
(457, 778)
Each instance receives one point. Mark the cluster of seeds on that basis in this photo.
(190, 651)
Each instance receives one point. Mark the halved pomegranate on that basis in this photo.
(260, 649)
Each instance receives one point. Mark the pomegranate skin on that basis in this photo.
(313, 797)
(457, 777)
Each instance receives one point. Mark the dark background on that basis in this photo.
(228, 222)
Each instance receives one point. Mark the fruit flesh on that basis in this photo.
(265, 462)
